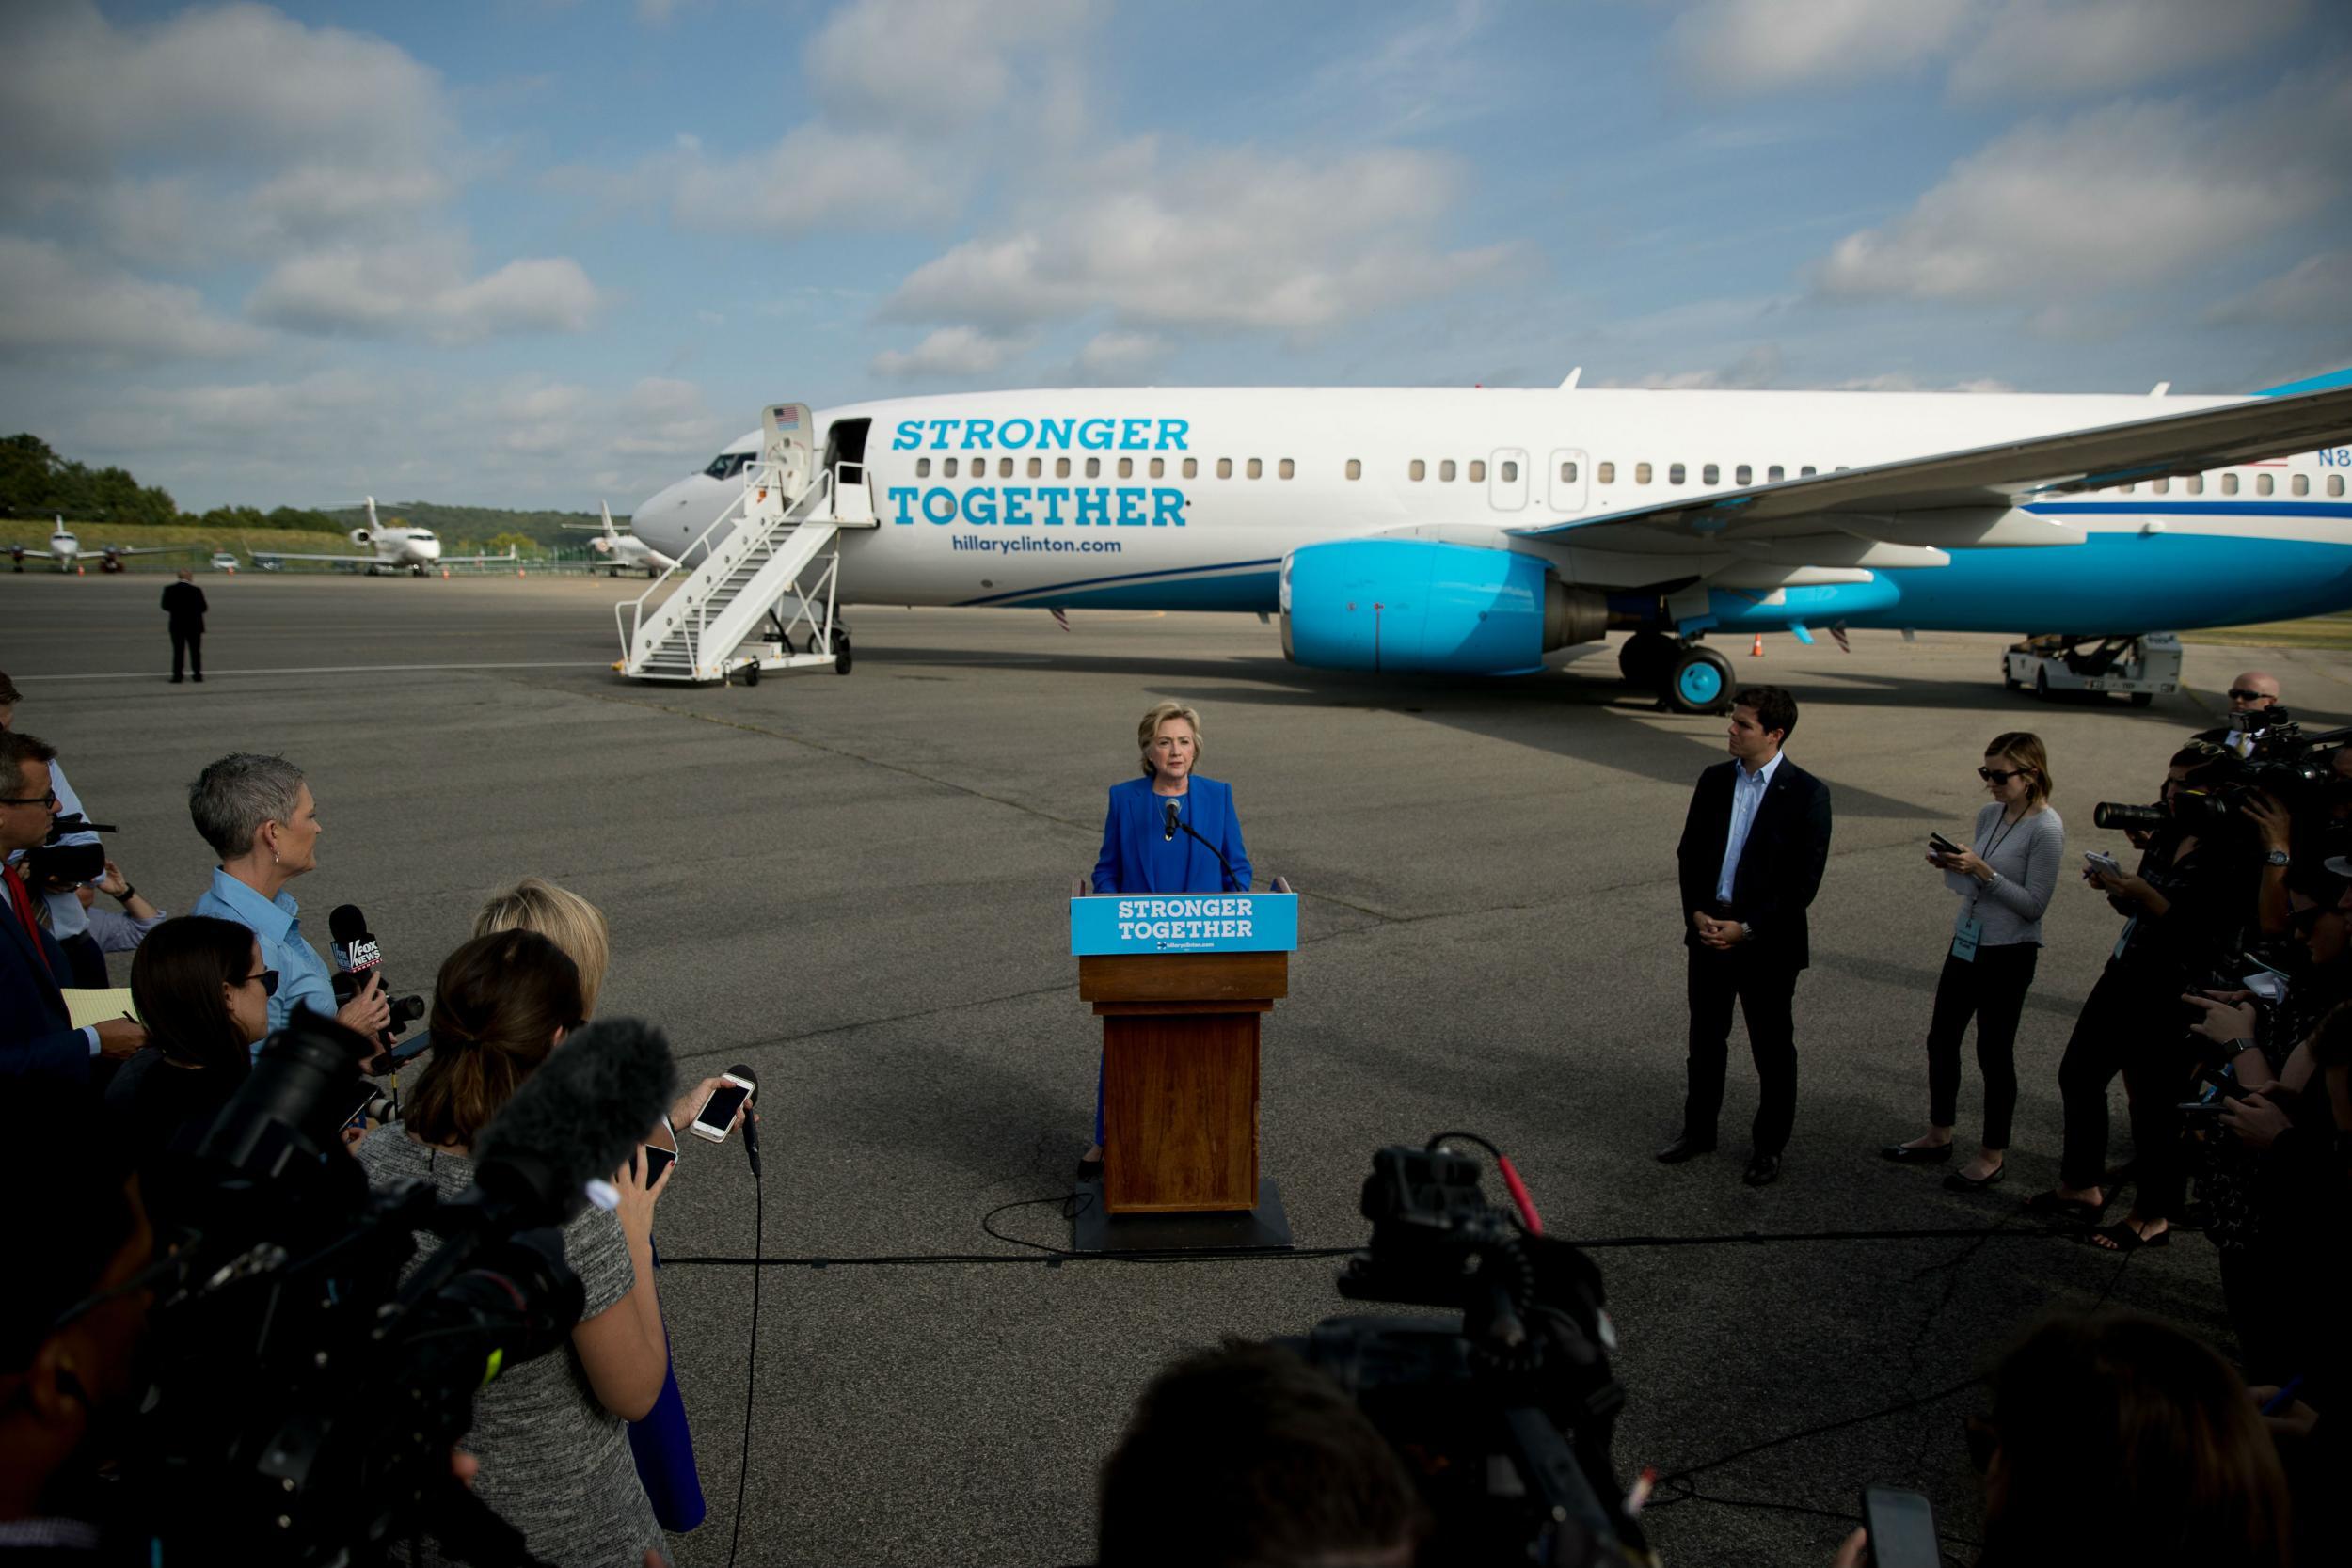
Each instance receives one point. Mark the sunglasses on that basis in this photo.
(2239, 694)
(268, 978)
(2000, 776)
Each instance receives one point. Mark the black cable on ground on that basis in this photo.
(751, 1370)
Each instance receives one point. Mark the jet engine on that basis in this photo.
(1417, 604)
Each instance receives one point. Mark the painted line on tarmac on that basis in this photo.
(329, 670)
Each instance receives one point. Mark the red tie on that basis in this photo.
(23, 903)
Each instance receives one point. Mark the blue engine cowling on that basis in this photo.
(1416, 604)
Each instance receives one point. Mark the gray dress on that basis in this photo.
(555, 1463)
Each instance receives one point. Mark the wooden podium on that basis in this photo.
(1179, 1100)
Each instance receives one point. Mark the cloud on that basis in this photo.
(2090, 46)
(2313, 290)
(1115, 357)
(929, 66)
(2120, 196)
(1772, 45)
(61, 304)
(421, 289)
(1759, 367)
(951, 350)
(1225, 241)
(816, 178)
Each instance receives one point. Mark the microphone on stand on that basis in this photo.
(750, 1123)
(1205, 844)
(1172, 823)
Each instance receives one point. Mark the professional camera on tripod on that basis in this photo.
(308, 1397)
(1504, 1414)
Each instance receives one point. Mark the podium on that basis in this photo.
(1182, 983)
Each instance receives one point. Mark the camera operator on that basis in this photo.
(66, 921)
(37, 1032)
(257, 813)
(550, 1433)
(2185, 909)
(1246, 1457)
(67, 1391)
(2254, 691)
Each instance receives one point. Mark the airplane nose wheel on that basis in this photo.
(1699, 681)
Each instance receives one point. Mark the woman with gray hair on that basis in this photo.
(258, 815)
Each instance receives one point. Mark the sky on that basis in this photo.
(540, 253)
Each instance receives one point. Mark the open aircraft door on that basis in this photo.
(1569, 480)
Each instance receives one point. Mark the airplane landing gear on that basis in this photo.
(1699, 681)
(1647, 657)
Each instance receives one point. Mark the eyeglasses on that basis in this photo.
(49, 799)
(1997, 776)
(268, 978)
(2239, 694)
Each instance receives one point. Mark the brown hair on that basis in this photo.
(2121, 1439)
(9, 695)
(2024, 748)
(496, 1004)
(1775, 710)
(1160, 713)
(176, 978)
(562, 916)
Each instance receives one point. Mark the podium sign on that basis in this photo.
(1137, 923)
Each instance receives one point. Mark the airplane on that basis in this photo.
(1478, 531)
(394, 549)
(65, 548)
(625, 550)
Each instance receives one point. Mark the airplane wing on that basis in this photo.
(27, 549)
(158, 549)
(477, 559)
(289, 555)
(1907, 513)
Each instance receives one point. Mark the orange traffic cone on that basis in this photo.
(77, 571)
(1757, 652)
(444, 574)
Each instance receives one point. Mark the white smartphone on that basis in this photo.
(2099, 860)
(718, 1112)
(660, 1152)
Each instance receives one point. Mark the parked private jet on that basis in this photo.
(65, 548)
(623, 552)
(394, 550)
(1476, 532)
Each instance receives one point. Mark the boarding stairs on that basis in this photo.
(763, 593)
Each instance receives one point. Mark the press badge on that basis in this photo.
(1964, 938)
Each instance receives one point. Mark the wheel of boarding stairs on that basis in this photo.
(840, 651)
(751, 673)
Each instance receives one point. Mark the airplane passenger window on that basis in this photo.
(2160, 486)
(1287, 468)
(1711, 474)
(1037, 468)
(1478, 470)
(2335, 485)
(1773, 475)
(1355, 468)
(1062, 467)
(1511, 471)
(2229, 484)
(1446, 471)
(1606, 473)
(922, 467)
(1004, 468)
(1676, 473)
(1641, 473)
(2301, 484)
(948, 467)
(2127, 489)
(2262, 484)
(1126, 467)
(1095, 467)
(1808, 471)
(1257, 468)
(1159, 468)
(1192, 468)
(2194, 484)
(1419, 471)
(1743, 475)
(1224, 467)
(1567, 472)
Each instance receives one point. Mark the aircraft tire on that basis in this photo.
(1699, 681)
(1645, 658)
(2141, 699)
(751, 673)
(2041, 684)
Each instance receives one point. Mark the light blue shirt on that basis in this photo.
(1747, 793)
(67, 917)
(302, 974)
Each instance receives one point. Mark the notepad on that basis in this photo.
(86, 1008)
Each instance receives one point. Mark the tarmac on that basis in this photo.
(855, 885)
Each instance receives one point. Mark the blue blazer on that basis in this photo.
(36, 1036)
(1136, 818)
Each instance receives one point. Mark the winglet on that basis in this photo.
(1574, 376)
(2309, 384)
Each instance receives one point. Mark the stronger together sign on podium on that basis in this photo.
(1183, 923)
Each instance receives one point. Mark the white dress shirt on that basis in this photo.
(1747, 793)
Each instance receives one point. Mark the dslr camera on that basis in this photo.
(53, 863)
(1504, 1409)
(2281, 760)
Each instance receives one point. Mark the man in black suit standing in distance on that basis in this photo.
(1752, 853)
(183, 601)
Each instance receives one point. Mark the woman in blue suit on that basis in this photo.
(1147, 849)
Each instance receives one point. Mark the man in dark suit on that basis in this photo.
(183, 601)
(37, 1035)
(1752, 853)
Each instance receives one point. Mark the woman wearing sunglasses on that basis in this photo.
(200, 987)
(2004, 879)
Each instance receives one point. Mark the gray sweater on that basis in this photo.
(2026, 860)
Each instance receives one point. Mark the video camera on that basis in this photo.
(2279, 760)
(1504, 1414)
(311, 1378)
(52, 863)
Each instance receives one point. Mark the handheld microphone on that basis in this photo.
(576, 1119)
(353, 948)
(750, 1123)
(1172, 821)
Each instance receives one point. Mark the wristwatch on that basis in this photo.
(1747, 932)
(2276, 856)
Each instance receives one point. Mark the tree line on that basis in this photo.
(35, 482)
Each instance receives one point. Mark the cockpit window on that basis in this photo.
(728, 464)
(423, 535)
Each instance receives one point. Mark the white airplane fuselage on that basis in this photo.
(1175, 499)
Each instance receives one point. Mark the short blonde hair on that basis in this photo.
(1160, 713)
(2024, 748)
(565, 918)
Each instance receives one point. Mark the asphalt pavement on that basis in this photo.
(855, 885)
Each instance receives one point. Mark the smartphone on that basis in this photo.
(1942, 846)
(660, 1152)
(2099, 860)
(2268, 984)
(718, 1112)
(2199, 1110)
(1902, 1529)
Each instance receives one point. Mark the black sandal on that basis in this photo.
(2120, 1237)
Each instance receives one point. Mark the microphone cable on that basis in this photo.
(751, 1370)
